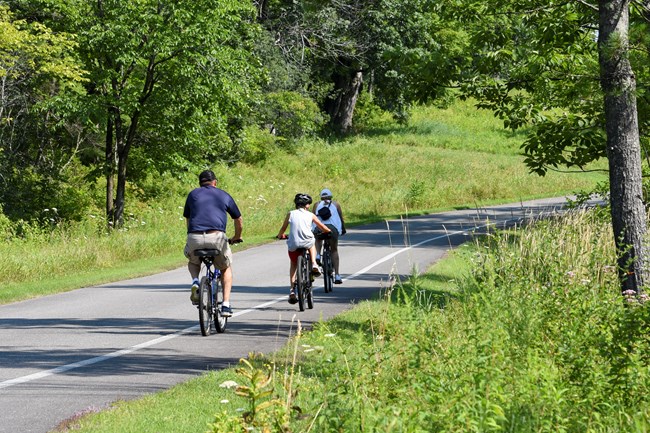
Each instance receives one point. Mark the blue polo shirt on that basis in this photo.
(207, 208)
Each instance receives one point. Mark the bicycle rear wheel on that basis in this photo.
(328, 272)
(220, 322)
(302, 279)
(205, 306)
(309, 297)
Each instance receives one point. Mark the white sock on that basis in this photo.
(226, 304)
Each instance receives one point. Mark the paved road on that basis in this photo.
(66, 353)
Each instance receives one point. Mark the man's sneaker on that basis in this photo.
(337, 279)
(318, 260)
(194, 296)
(293, 298)
(226, 311)
(315, 271)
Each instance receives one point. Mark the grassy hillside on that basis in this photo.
(444, 158)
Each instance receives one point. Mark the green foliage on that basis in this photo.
(257, 144)
(292, 115)
(536, 66)
(42, 80)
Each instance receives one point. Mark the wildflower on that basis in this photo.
(229, 384)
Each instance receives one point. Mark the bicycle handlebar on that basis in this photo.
(236, 241)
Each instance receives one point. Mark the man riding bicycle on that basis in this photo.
(329, 213)
(206, 213)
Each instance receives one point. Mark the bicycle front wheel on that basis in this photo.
(302, 277)
(205, 306)
(220, 322)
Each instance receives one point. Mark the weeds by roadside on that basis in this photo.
(534, 337)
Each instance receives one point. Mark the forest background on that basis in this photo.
(101, 100)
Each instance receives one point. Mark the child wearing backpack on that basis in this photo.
(330, 214)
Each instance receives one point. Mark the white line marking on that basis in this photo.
(95, 360)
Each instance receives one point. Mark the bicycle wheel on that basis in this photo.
(328, 271)
(220, 322)
(309, 297)
(205, 306)
(302, 277)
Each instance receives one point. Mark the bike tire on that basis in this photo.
(302, 279)
(205, 307)
(220, 322)
(309, 297)
(328, 272)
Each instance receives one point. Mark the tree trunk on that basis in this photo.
(123, 149)
(623, 147)
(341, 110)
(109, 171)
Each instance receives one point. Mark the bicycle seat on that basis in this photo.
(206, 253)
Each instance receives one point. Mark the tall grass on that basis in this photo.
(445, 158)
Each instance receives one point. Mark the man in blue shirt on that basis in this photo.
(206, 213)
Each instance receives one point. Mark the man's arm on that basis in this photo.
(239, 224)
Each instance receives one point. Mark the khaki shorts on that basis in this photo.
(217, 241)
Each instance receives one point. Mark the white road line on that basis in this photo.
(117, 354)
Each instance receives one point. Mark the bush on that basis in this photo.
(291, 115)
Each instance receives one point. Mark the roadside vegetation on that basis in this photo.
(523, 330)
(444, 158)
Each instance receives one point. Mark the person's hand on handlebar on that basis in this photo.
(232, 241)
(281, 236)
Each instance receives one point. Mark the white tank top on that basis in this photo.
(334, 219)
(300, 234)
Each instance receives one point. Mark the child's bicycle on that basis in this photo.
(326, 261)
(304, 280)
(210, 294)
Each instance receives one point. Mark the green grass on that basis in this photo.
(444, 159)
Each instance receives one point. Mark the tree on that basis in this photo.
(40, 78)
(390, 48)
(171, 77)
(563, 70)
(623, 147)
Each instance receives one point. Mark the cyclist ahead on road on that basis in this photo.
(300, 237)
(329, 213)
(206, 213)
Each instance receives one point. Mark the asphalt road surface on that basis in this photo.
(63, 354)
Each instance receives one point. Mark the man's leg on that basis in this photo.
(194, 270)
(226, 282)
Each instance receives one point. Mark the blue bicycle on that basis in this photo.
(210, 294)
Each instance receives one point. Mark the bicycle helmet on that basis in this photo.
(302, 200)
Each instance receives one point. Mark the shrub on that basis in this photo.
(292, 115)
